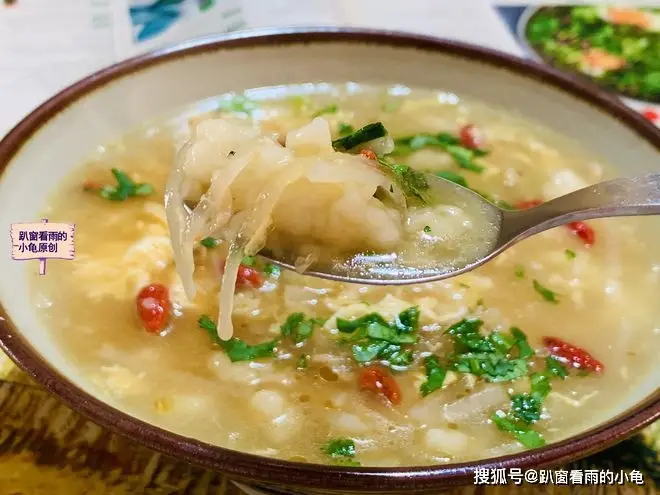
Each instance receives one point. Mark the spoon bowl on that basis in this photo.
(619, 197)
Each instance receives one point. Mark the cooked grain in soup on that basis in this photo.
(542, 342)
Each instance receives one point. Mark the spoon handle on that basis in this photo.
(615, 198)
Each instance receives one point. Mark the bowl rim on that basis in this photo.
(249, 467)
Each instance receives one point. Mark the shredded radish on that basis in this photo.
(177, 220)
(246, 178)
(225, 326)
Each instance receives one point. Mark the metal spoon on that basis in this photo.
(619, 197)
(636, 196)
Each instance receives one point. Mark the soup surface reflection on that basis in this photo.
(548, 339)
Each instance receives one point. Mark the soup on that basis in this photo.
(545, 341)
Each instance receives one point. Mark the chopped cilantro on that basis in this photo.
(340, 447)
(248, 260)
(520, 431)
(368, 351)
(348, 326)
(298, 327)
(412, 182)
(524, 349)
(466, 336)
(124, 189)
(526, 407)
(272, 270)
(238, 104)
(540, 383)
(494, 367)
(491, 356)
(239, 350)
(363, 135)
(546, 293)
(341, 450)
(390, 334)
(326, 110)
(374, 338)
(555, 368)
(396, 355)
(435, 376)
(407, 320)
(209, 242)
(519, 272)
(409, 144)
(344, 129)
(570, 254)
(427, 229)
(452, 177)
(463, 157)
(236, 349)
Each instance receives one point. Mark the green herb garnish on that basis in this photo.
(427, 229)
(248, 260)
(494, 367)
(272, 270)
(299, 327)
(344, 129)
(555, 368)
(326, 110)
(342, 450)
(125, 188)
(520, 431)
(463, 157)
(570, 254)
(407, 320)
(348, 326)
(526, 408)
(209, 242)
(237, 349)
(375, 338)
(524, 349)
(411, 181)
(492, 357)
(435, 376)
(363, 135)
(453, 177)
(546, 293)
(519, 272)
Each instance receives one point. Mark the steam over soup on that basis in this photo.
(549, 339)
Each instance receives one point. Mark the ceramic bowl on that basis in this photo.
(53, 139)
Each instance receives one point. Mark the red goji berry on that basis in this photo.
(379, 380)
(572, 355)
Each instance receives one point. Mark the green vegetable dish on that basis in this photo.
(617, 47)
(184, 325)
